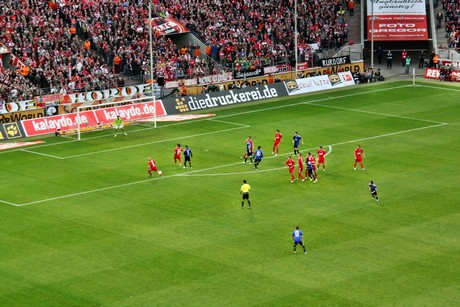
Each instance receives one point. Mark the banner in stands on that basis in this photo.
(278, 68)
(353, 67)
(52, 109)
(115, 94)
(224, 98)
(248, 73)
(435, 73)
(225, 76)
(335, 61)
(52, 98)
(16, 62)
(21, 115)
(93, 118)
(167, 26)
(324, 82)
(397, 20)
(18, 106)
(175, 84)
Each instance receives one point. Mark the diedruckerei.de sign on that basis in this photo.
(224, 98)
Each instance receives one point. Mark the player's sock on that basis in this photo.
(242, 204)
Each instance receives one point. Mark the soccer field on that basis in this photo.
(82, 224)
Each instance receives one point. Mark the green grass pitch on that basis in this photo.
(83, 225)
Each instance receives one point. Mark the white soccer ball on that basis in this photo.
(160, 173)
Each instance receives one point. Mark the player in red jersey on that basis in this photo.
(153, 167)
(321, 154)
(276, 144)
(177, 152)
(359, 156)
(300, 167)
(291, 166)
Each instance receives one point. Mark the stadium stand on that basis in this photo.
(452, 21)
(74, 46)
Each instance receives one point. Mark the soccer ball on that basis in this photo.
(160, 173)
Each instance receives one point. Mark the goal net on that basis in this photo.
(101, 116)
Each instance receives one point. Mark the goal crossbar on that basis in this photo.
(115, 107)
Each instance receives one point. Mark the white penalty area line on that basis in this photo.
(314, 101)
(239, 126)
(71, 140)
(9, 203)
(155, 142)
(193, 173)
(248, 112)
(329, 151)
(374, 113)
(254, 171)
(121, 185)
(41, 154)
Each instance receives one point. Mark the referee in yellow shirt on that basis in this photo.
(245, 192)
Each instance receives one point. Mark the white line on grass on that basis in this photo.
(9, 203)
(234, 173)
(389, 134)
(41, 154)
(150, 143)
(330, 150)
(192, 173)
(230, 123)
(248, 112)
(374, 113)
(439, 87)
(120, 186)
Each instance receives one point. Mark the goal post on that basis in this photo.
(101, 116)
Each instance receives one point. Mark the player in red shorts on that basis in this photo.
(300, 167)
(321, 154)
(153, 167)
(276, 144)
(177, 152)
(359, 155)
(291, 166)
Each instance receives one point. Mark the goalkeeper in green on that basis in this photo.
(118, 124)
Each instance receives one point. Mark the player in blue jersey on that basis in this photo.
(187, 156)
(258, 155)
(248, 150)
(311, 174)
(297, 239)
(373, 190)
(296, 140)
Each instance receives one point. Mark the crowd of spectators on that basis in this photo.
(368, 75)
(445, 74)
(75, 45)
(452, 19)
